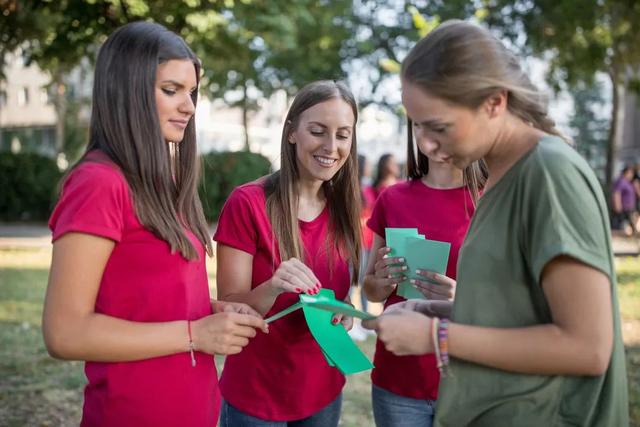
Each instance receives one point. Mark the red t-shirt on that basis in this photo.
(142, 282)
(369, 196)
(280, 376)
(442, 215)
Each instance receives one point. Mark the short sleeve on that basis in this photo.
(377, 222)
(236, 225)
(564, 214)
(93, 200)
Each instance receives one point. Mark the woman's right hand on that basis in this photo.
(388, 271)
(294, 276)
(226, 332)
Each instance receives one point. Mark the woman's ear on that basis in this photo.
(496, 104)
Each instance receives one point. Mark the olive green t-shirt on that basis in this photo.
(548, 204)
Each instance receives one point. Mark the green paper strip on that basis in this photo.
(284, 312)
(334, 339)
(335, 306)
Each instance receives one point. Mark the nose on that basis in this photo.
(427, 145)
(187, 106)
(331, 144)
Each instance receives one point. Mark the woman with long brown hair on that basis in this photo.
(534, 336)
(292, 232)
(128, 290)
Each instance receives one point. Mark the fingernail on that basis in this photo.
(400, 259)
(334, 320)
(417, 271)
(404, 267)
(298, 290)
(412, 281)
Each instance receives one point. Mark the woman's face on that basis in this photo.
(323, 139)
(444, 132)
(175, 83)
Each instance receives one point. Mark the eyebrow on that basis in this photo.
(177, 84)
(433, 122)
(325, 126)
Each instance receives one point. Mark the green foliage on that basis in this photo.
(222, 172)
(29, 186)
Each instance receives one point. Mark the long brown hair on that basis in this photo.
(342, 191)
(465, 64)
(125, 126)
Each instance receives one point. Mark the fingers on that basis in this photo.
(433, 291)
(371, 324)
(347, 322)
(336, 318)
(251, 321)
(294, 276)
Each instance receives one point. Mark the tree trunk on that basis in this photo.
(245, 119)
(60, 107)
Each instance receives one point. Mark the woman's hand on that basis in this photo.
(347, 321)
(403, 332)
(441, 309)
(294, 276)
(233, 307)
(436, 287)
(388, 271)
(226, 332)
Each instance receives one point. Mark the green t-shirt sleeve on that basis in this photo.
(563, 213)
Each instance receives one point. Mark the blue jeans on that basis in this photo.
(326, 417)
(392, 410)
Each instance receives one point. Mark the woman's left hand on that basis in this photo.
(403, 332)
(347, 321)
(233, 307)
(439, 286)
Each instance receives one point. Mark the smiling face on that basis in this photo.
(445, 132)
(175, 84)
(323, 138)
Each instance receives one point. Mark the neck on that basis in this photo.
(443, 176)
(310, 190)
(513, 140)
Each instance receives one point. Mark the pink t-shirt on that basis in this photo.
(281, 376)
(142, 282)
(442, 215)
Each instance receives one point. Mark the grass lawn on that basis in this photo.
(36, 390)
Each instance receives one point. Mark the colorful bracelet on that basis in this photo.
(191, 346)
(443, 346)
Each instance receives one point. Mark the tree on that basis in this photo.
(590, 126)
(579, 38)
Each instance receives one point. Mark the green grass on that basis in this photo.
(37, 390)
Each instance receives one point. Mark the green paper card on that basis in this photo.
(333, 305)
(424, 255)
(334, 339)
(395, 239)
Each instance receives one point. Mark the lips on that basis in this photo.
(180, 124)
(326, 162)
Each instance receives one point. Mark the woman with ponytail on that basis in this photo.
(128, 290)
(534, 336)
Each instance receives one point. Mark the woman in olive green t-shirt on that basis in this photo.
(534, 333)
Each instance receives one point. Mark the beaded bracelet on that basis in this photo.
(443, 346)
(191, 346)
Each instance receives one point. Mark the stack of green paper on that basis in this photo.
(337, 347)
(419, 254)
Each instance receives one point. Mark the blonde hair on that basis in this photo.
(465, 64)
